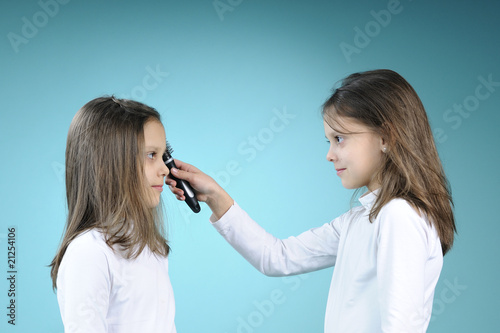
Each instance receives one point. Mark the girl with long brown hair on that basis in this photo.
(388, 251)
(111, 269)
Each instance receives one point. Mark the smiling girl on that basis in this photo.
(387, 252)
(111, 269)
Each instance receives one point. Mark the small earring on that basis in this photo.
(384, 150)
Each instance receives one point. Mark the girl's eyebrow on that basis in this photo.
(334, 132)
(156, 148)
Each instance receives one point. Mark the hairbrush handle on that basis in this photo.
(185, 186)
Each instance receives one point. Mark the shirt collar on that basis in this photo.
(368, 199)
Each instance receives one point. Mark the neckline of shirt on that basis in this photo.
(368, 198)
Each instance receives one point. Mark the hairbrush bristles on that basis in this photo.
(168, 152)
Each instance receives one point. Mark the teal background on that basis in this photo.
(221, 79)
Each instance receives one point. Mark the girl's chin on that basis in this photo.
(154, 202)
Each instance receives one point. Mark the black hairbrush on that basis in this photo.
(181, 184)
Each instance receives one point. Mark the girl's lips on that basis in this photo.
(339, 171)
(158, 187)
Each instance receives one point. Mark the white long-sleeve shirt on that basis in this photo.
(385, 272)
(99, 290)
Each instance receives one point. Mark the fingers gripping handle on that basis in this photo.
(185, 186)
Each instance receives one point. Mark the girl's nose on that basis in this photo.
(331, 156)
(164, 171)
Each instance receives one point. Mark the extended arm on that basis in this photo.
(312, 250)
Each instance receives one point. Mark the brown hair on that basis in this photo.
(105, 182)
(385, 102)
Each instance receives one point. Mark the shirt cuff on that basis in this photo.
(226, 218)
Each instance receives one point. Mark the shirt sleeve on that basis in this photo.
(403, 251)
(312, 250)
(83, 288)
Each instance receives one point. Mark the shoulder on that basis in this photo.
(88, 246)
(88, 258)
(85, 271)
(400, 208)
(400, 212)
(400, 219)
(89, 239)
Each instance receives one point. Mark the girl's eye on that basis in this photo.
(151, 155)
(339, 139)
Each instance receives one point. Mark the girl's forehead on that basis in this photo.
(154, 133)
(342, 124)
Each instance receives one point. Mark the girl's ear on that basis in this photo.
(383, 145)
(385, 136)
